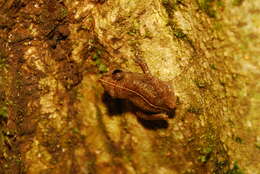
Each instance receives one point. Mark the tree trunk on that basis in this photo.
(55, 116)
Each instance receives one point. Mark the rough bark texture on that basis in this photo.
(55, 117)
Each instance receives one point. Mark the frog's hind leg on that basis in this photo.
(143, 65)
(159, 116)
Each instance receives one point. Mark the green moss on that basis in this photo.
(222, 83)
(238, 140)
(207, 7)
(102, 68)
(148, 34)
(217, 25)
(237, 2)
(213, 66)
(62, 13)
(200, 83)
(194, 110)
(206, 150)
(97, 61)
(75, 130)
(2, 59)
(171, 5)
(205, 154)
(257, 146)
(132, 32)
(202, 158)
(3, 112)
(220, 3)
(95, 57)
(220, 166)
(235, 169)
(165, 2)
(97, 54)
(179, 33)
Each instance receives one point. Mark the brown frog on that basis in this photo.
(153, 97)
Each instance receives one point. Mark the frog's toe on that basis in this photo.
(159, 116)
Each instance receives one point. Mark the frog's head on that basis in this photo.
(112, 76)
(117, 74)
(111, 80)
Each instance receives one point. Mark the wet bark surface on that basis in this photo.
(56, 118)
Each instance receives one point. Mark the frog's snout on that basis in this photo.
(104, 79)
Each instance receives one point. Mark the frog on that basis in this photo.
(153, 98)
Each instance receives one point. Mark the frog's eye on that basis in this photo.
(117, 74)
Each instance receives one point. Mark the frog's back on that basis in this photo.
(148, 92)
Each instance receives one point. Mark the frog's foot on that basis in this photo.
(143, 65)
(159, 116)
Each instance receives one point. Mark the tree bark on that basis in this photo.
(56, 118)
